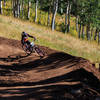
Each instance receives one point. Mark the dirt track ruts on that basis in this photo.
(58, 76)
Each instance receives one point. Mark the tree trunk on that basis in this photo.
(95, 37)
(79, 33)
(13, 9)
(29, 5)
(49, 12)
(0, 6)
(88, 32)
(77, 23)
(48, 22)
(36, 6)
(92, 34)
(99, 37)
(66, 18)
(4, 3)
(18, 8)
(83, 32)
(54, 14)
(22, 8)
(13, 6)
(69, 17)
(40, 15)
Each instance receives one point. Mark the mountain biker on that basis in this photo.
(24, 38)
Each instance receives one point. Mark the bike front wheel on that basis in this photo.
(39, 51)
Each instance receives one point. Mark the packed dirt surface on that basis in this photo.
(57, 76)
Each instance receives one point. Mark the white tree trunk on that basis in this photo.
(0, 6)
(22, 8)
(77, 23)
(69, 17)
(66, 18)
(18, 8)
(29, 5)
(36, 6)
(54, 14)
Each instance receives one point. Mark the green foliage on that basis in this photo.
(62, 27)
(7, 10)
(88, 12)
(73, 32)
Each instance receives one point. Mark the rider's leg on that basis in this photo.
(28, 42)
(29, 45)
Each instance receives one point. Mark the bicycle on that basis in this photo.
(32, 48)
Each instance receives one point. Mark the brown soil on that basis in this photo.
(57, 76)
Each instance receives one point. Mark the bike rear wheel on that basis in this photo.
(27, 49)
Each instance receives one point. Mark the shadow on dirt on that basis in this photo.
(79, 75)
(87, 89)
(88, 86)
(12, 58)
(52, 92)
(52, 61)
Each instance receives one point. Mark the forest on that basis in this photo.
(78, 17)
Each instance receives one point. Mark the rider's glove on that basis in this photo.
(34, 38)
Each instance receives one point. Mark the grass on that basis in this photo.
(12, 28)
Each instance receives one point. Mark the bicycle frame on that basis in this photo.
(32, 48)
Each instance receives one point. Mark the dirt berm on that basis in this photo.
(57, 76)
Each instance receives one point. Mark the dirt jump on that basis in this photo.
(57, 76)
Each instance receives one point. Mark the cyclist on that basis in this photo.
(24, 38)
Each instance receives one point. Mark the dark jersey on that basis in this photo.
(25, 36)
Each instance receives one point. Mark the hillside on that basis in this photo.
(57, 76)
(12, 28)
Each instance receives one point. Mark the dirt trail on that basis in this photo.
(58, 76)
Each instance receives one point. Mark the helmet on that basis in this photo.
(23, 33)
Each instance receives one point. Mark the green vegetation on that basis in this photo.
(12, 28)
(79, 18)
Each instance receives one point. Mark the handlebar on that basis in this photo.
(34, 38)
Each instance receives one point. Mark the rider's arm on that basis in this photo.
(31, 36)
(34, 38)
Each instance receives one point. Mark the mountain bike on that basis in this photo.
(32, 48)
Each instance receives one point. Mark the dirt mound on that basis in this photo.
(58, 76)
